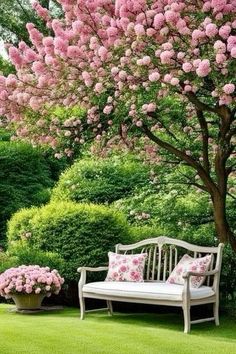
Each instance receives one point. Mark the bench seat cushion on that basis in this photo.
(148, 290)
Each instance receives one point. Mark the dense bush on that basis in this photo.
(26, 175)
(173, 212)
(81, 233)
(23, 255)
(101, 180)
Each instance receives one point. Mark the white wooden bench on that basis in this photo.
(163, 255)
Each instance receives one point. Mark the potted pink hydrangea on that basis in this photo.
(28, 285)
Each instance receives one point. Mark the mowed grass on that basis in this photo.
(61, 332)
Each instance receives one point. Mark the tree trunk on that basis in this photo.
(223, 231)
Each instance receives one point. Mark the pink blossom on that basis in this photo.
(159, 20)
(198, 34)
(155, 76)
(220, 46)
(107, 109)
(187, 67)
(37, 290)
(229, 88)
(139, 123)
(73, 52)
(166, 56)
(218, 5)
(98, 87)
(211, 30)
(204, 68)
(174, 81)
(224, 31)
(48, 41)
(151, 107)
(139, 30)
(172, 16)
(146, 60)
(231, 43)
(220, 58)
(233, 52)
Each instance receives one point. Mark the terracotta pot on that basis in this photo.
(28, 301)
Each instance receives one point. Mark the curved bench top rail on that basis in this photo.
(162, 240)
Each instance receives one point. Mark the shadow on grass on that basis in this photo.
(172, 322)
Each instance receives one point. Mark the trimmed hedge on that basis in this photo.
(28, 256)
(101, 180)
(26, 176)
(81, 234)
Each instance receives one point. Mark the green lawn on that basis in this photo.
(61, 332)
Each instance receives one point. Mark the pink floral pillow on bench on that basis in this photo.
(126, 267)
(189, 264)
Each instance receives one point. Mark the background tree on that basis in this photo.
(14, 14)
(120, 60)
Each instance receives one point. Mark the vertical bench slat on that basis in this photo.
(149, 263)
(170, 259)
(211, 268)
(165, 266)
(159, 262)
(154, 262)
(176, 256)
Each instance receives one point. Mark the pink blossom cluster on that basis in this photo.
(30, 280)
(120, 50)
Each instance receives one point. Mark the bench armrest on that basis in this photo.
(83, 271)
(91, 269)
(203, 274)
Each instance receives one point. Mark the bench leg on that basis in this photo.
(187, 324)
(110, 307)
(216, 313)
(82, 307)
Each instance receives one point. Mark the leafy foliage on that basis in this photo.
(26, 177)
(81, 233)
(101, 180)
(29, 256)
(14, 14)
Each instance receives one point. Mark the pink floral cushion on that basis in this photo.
(126, 267)
(188, 264)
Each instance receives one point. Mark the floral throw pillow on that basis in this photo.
(126, 267)
(189, 264)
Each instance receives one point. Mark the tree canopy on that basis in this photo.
(129, 63)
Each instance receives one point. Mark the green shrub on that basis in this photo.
(81, 234)
(101, 180)
(7, 261)
(172, 211)
(26, 177)
(22, 254)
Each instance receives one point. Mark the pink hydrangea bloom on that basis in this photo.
(187, 67)
(229, 88)
(30, 279)
(155, 76)
(204, 68)
(211, 30)
(224, 31)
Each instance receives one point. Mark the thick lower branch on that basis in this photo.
(205, 137)
(208, 182)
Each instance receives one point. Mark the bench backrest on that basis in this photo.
(163, 254)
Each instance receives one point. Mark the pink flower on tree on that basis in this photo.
(137, 54)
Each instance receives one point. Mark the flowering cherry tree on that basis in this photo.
(127, 63)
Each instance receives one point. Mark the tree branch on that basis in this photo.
(208, 182)
(205, 137)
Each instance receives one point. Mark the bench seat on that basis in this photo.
(146, 290)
